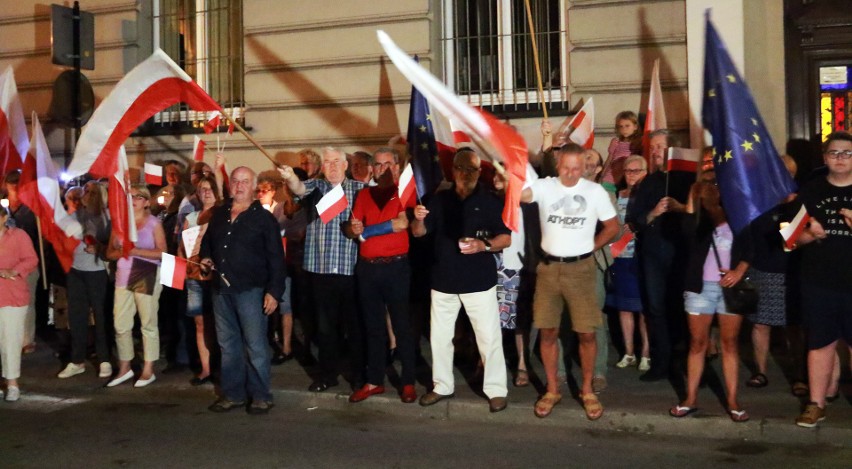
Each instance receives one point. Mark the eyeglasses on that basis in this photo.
(838, 154)
(466, 169)
(138, 197)
(263, 191)
(633, 171)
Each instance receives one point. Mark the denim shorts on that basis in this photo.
(195, 297)
(709, 301)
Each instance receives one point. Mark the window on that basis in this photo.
(204, 37)
(488, 55)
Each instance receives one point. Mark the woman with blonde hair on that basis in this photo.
(137, 289)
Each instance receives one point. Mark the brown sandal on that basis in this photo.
(592, 406)
(544, 406)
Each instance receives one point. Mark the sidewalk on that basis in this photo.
(631, 406)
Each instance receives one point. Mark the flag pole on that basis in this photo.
(250, 138)
(535, 58)
(41, 254)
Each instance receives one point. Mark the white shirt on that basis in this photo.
(569, 215)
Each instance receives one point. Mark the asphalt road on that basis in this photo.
(160, 428)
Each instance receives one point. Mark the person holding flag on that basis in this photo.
(826, 272)
(330, 261)
(383, 274)
(654, 214)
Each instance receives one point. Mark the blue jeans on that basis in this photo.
(241, 330)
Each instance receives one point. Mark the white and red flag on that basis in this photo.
(149, 88)
(173, 271)
(581, 128)
(198, 146)
(153, 174)
(498, 139)
(332, 204)
(39, 190)
(683, 159)
(655, 116)
(14, 142)
(213, 123)
(121, 205)
(793, 230)
(618, 247)
(407, 187)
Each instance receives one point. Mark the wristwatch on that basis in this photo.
(487, 245)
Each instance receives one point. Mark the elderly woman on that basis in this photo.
(626, 296)
(137, 289)
(17, 260)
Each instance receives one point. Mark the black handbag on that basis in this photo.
(608, 274)
(740, 298)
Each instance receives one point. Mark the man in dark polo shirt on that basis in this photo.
(466, 221)
(383, 274)
(243, 242)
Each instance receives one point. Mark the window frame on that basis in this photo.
(508, 97)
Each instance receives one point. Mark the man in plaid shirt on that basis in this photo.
(330, 263)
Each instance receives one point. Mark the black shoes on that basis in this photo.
(280, 358)
(321, 385)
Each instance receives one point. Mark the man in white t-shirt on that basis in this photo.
(569, 209)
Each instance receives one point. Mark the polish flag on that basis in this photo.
(581, 127)
(407, 188)
(121, 204)
(149, 88)
(683, 159)
(153, 174)
(198, 149)
(793, 230)
(39, 190)
(498, 139)
(214, 122)
(618, 247)
(332, 204)
(14, 142)
(655, 117)
(173, 271)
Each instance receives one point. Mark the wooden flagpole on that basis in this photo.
(535, 58)
(41, 254)
(250, 138)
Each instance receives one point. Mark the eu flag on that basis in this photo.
(751, 176)
(421, 145)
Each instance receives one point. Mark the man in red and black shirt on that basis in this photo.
(383, 274)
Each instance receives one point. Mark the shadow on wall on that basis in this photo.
(346, 123)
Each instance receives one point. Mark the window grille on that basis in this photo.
(488, 58)
(205, 38)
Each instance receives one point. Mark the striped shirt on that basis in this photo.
(327, 251)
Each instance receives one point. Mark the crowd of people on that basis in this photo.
(273, 274)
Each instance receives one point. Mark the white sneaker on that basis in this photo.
(72, 370)
(644, 364)
(627, 360)
(106, 370)
(12, 394)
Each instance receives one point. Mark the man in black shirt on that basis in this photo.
(243, 242)
(827, 270)
(466, 221)
(655, 214)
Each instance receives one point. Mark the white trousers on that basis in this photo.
(12, 320)
(125, 307)
(30, 324)
(482, 309)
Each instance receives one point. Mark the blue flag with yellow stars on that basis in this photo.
(751, 176)
(421, 145)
